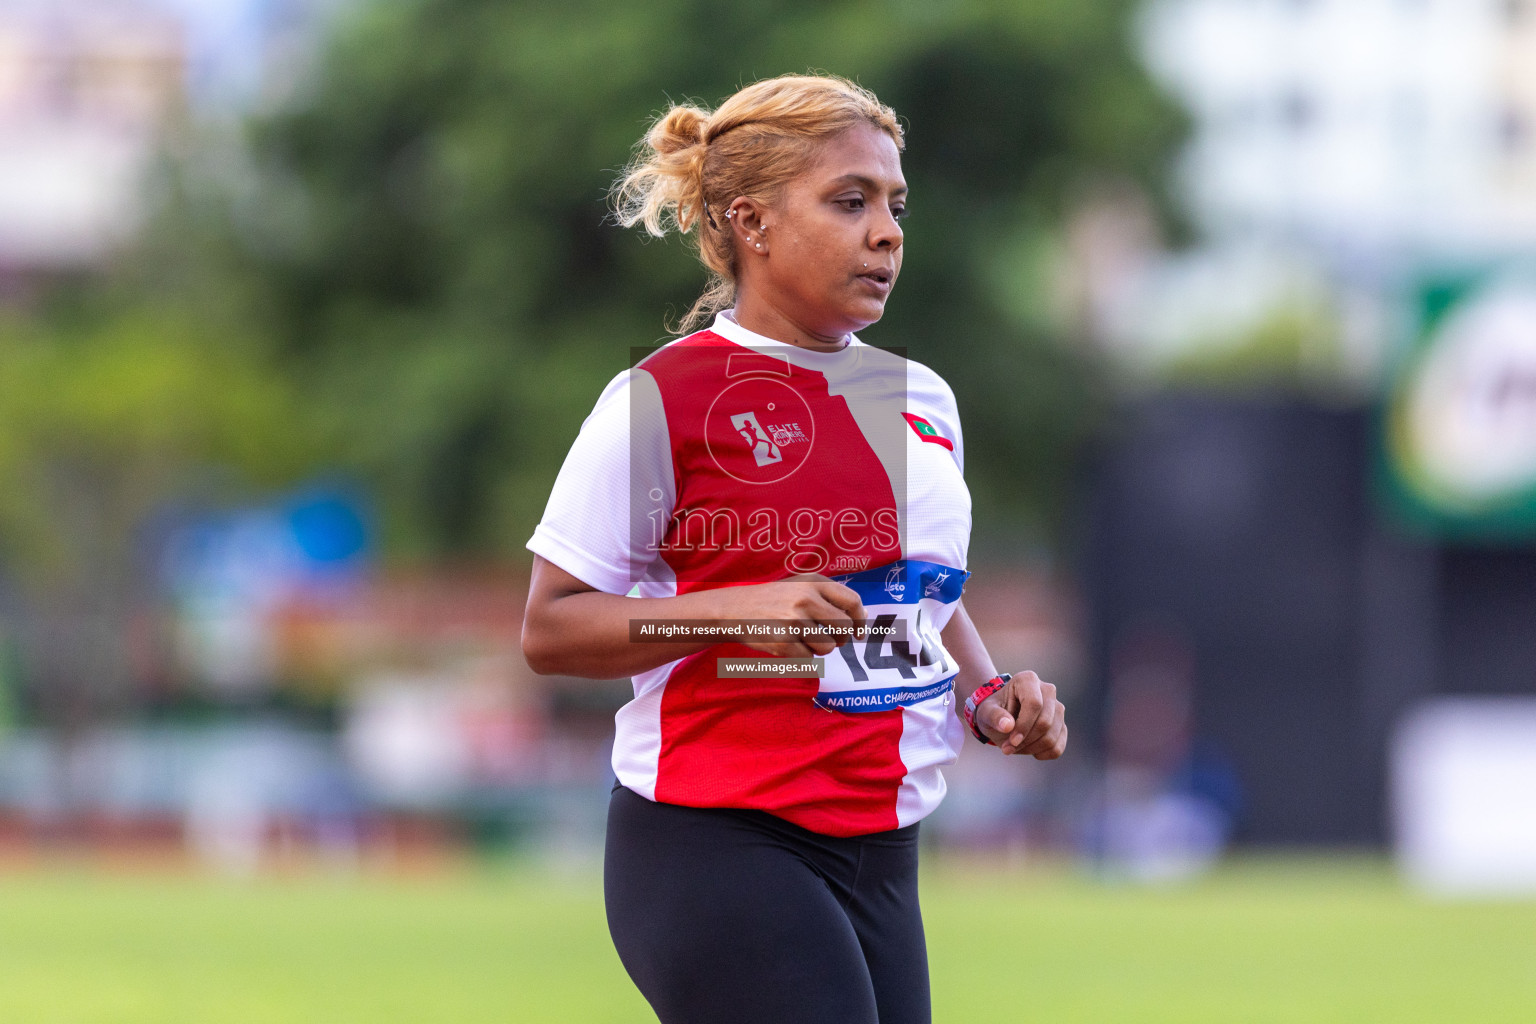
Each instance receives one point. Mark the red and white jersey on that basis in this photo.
(727, 458)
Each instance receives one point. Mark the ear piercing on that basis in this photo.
(762, 228)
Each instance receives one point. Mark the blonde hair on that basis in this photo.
(694, 163)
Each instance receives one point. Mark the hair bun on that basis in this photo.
(678, 129)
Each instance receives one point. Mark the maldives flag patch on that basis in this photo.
(926, 431)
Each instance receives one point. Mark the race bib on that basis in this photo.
(903, 661)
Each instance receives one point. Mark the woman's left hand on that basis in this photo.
(1024, 717)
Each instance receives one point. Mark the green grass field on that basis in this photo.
(1260, 941)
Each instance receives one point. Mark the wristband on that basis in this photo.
(973, 702)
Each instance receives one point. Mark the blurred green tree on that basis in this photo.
(100, 424)
(421, 230)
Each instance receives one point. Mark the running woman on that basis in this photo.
(761, 859)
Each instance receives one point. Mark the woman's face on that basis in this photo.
(832, 249)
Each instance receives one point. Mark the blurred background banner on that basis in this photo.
(1460, 421)
(303, 301)
(1464, 769)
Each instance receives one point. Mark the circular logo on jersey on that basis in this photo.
(759, 430)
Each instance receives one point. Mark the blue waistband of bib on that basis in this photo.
(907, 581)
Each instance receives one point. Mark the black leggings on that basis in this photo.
(736, 917)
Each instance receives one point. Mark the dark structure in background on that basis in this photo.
(1244, 532)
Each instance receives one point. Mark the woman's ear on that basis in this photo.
(748, 226)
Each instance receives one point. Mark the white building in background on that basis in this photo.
(89, 89)
(1337, 147)
(85, 89)
(1364, 129)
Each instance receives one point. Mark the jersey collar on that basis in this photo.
(726, 326)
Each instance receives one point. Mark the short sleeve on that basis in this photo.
(615, 493)
(957, 435)
(929, 392)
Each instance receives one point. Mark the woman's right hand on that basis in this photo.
(807, 600)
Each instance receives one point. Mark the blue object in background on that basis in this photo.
(329, 526)
(320, 534)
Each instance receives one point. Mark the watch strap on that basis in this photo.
(980, 694)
